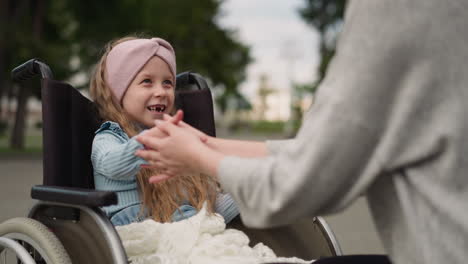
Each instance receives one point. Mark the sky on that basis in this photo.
(282, 45)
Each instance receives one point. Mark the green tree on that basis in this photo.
(327, 17)
(62, 31)
(191, 27)
(27, 31)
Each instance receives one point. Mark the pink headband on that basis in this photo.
(126, 59)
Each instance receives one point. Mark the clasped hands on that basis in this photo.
(173, 147)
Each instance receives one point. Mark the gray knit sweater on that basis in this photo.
(390, 121)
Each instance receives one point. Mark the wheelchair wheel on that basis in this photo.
(41, 244)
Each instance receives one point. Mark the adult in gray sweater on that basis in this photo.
(390, 121)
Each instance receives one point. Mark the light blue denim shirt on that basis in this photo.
(115, 168)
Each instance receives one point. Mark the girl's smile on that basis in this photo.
(157, 107)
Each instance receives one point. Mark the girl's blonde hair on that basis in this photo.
(162, 199)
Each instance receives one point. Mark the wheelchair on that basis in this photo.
(66, 225)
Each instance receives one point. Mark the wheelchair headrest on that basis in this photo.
(194, 97)
(190, 81)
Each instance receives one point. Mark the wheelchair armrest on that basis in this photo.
(71, 195)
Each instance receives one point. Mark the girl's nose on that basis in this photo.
(159, 91)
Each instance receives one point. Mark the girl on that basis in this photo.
(133, 85)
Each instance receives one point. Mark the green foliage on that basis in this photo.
(233, 99)
(3, 128)
(69, 36)
(323, 14)
(264, 126)
(30, 31)
(33, 143)
(302, 89)
(81, 28)
(190, 26)
(327, 17)
(257, 126)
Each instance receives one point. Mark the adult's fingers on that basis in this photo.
(183, 124)
(157, 163)
(149, 141)
(149, 166)
(170, 172)
(153, 132)
(179, 116)
(167, 127)
(159, 178)
(153, 164)
(203, 137)
(149, 155)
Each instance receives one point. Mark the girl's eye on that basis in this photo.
(167, 83)
(146, 81)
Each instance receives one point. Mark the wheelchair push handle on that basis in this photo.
(30, 69)
(190, 81)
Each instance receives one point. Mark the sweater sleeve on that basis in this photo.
(364, 122)
(275, 146)
(226, 207)
(115, 159)
(315, 174)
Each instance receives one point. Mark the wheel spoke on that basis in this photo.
(34, 241)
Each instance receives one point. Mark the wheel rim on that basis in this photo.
(20, 253)
(31, 244)
(37, 238)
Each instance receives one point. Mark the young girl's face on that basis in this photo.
(151, 93)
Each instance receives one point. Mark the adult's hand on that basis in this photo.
(177, 120)
(181, 151)
(157, 133)
(179, 115)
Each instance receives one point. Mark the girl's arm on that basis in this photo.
(226, 207)
(114, 159)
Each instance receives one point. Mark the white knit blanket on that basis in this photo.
(201, 239)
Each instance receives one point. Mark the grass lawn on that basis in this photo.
(257, 131)
(33, 143)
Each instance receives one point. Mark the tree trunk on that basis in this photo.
(17, 135)
(4, 7)
(38, 20)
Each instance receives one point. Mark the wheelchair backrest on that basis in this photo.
(70, 120)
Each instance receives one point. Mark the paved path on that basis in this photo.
(17, 177)
(353, 227)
